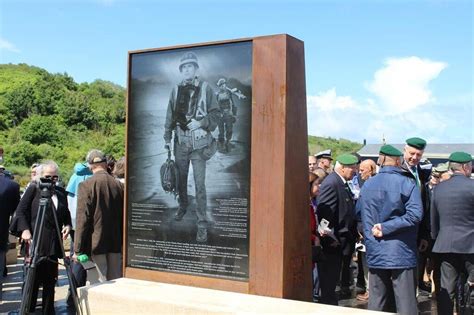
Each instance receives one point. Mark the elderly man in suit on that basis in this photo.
(390, 208)
(99, 218)
(26, 212)
(336, 207)
(452, 226)
(9, 198)
(412, 155)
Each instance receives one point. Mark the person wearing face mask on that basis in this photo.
(390, 208)
(26, 212)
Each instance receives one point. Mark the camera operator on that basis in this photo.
(47, 270)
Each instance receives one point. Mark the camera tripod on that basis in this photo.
(46, 187)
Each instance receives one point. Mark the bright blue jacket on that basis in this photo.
(392, 199)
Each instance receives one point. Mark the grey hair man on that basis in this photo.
(26, 213)
(99, 218)
(412, 154)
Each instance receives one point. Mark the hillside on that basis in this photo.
(338, 146)
(50, 116)
(45, 115)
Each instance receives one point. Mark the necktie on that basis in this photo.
(415, 173)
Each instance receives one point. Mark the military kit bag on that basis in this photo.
(169, 175)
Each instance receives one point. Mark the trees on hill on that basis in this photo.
(44, 115)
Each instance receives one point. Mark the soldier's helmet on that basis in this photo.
(220, 82)
(188, 57)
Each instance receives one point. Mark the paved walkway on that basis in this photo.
(12, 291)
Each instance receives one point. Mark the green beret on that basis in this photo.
(460, 157)
(390, 150)
(417, 143)
(347, 159)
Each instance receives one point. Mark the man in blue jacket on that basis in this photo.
(390, 208)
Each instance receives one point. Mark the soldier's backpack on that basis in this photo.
(169, 175)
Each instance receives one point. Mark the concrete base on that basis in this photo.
(129, 296)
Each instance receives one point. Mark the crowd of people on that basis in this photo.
(409, 226)
(89, 210)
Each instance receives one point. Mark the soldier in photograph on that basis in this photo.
(191, 116)
(228, 111)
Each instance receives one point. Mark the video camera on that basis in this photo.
(46, 185)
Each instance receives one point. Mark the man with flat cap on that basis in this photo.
(336, 211)
(390, 208)
(452, 226)
(324, 159)
(99, 218)
(412, 155)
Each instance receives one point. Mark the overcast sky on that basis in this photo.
(374, 69)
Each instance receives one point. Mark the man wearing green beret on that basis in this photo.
(336, 212)
(390, 209)
(452, 227)
(412, 155)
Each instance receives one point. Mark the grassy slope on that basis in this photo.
(338, 146)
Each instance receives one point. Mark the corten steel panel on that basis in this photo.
(297, 243)
(267, 166)
(279, 225)
(279, 260)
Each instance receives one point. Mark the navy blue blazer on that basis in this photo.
(335, 204)
(9, 198)
(452, 215)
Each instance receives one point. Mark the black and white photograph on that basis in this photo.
(189, 132)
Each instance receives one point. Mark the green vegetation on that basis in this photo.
(49, 116)
(338, 146)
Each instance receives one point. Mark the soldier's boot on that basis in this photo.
(227, 146)
(201, 235)
(220, 145)
(179, 214)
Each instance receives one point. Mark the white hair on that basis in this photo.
(46, 164)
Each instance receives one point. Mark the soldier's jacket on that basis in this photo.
(226, 102)
(191, 101)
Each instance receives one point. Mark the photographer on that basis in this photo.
(47, 271)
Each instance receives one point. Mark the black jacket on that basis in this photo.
(452, 215)
(9, 198)
(335, 204)
(27, 212)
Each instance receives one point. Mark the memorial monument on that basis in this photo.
(216, 193)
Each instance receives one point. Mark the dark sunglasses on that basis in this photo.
(55, 177)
